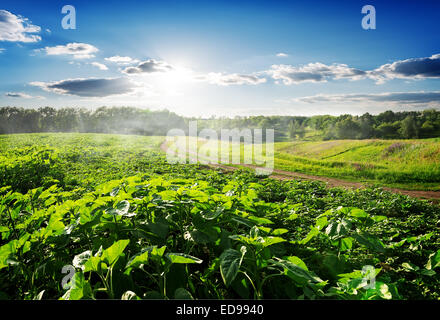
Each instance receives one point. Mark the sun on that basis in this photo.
(178, 78)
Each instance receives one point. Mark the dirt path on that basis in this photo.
(331, 182)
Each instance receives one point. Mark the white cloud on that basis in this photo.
(231, 79)
(316, 72)
(149, 66)
(21, 95)
(415, 68)
(100, 66)
(121, 60)
(17, 28)
(2, 50)
(431, 98)
(282, 55)
(90, 87)
(313, 72)
(78, 50)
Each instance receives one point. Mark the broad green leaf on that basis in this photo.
(265, 229)
(254, 232)
(130, 295)
(198, 237)
(298, 262)
(358, 274)
(94, 264)
(383, 290)
(338, 229)
(159, 228)
(378, 218)
(26, 247)
(351, 275)
(80, 288)
(121, 209)
(408, 266)
(369, 241)
(259, 220)
(182, 258)
(291, 217)
(80, 259)
(358, 213)
(230, 262)
(198, 195)
(427, 272)
(346, 243)
(156, 252)
(39, 296)
(11, 248)
(212, 214)
(279, 232)
(321, 222)
(111, 254)
(433, 260)
(4, 229)
(331, 229)
(295, 272)
(139, 259)
(268, 241)
(312, 233)
(182, 294)
(168, 194)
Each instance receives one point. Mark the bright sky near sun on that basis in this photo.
(222, 58)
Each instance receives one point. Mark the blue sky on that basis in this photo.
(223, 58)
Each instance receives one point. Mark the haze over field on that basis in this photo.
(215, 58)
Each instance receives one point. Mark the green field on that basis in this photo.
(133, 226)
(408, 164)
(404, 164)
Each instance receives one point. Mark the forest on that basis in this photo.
(129, 120)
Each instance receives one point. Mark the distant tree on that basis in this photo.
(366, 123)
(347, 129)
(291, 130)
(386, 117)
(296, 129)
(301, 131)
(427, 129)
(330, 132)
(129, 120)
(408, 128)
(47, 118)
(388, 130)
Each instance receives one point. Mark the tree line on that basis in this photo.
(129, 120)
(386, 125)
(125, 120)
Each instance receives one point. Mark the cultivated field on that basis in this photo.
(128, 225)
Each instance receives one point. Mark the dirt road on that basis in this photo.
(331, 182)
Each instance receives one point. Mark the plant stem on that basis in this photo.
(12, 223)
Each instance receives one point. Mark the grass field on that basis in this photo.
(404, 164)
(129, 225)
(408, 164)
